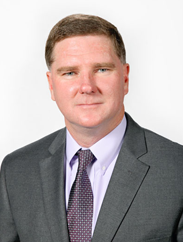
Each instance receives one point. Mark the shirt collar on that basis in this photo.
(105, 150)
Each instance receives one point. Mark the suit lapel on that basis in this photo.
(52, 175)
(127, 177)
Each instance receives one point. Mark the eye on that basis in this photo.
(70, 73)
(102, 70)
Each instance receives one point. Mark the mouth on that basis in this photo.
(89, 105)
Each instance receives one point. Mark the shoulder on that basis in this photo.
(152, 139)
(162, 152)
(34, 152)
(156, 147)
(157, 141)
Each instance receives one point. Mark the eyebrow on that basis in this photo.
(66, 68)
(95, 65)
(105, 64)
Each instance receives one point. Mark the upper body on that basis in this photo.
(143, 202)
(88, 79)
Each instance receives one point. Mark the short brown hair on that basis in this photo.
(78, 25)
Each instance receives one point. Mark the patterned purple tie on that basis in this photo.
(80, 206)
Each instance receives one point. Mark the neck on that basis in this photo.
(87, 136)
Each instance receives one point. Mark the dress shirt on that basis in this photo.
(106, 152)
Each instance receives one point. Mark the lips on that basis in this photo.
(88, 104)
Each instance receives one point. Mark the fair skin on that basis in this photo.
(88, 82)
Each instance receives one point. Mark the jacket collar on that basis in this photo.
(128, 175)
(53, 182)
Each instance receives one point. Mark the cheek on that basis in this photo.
(64, 93)
(117, 96)
(115, 88)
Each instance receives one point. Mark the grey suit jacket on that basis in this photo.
(143, 202)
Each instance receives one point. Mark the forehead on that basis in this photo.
(84, 45)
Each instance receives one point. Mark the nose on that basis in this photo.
(87, 84)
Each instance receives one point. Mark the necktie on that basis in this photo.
(80, 206)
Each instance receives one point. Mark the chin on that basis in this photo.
(90, 123)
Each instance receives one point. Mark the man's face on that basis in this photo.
(88, 82)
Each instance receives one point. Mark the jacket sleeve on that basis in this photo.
(7, 227)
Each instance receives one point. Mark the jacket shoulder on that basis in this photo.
(163, 154)
(152, 145)
(34, 151)
(159, 142)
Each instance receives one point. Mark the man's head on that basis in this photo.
(88, 75)
(82, 25)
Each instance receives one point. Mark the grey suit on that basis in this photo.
(143, 202)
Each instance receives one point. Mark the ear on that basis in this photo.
(126, 70)
(50, 83)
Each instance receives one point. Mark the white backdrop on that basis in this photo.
(153, 34)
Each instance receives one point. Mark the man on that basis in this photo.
(130, 185)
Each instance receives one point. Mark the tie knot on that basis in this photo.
(85, 158)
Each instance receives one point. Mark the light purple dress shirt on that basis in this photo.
(106, 152)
